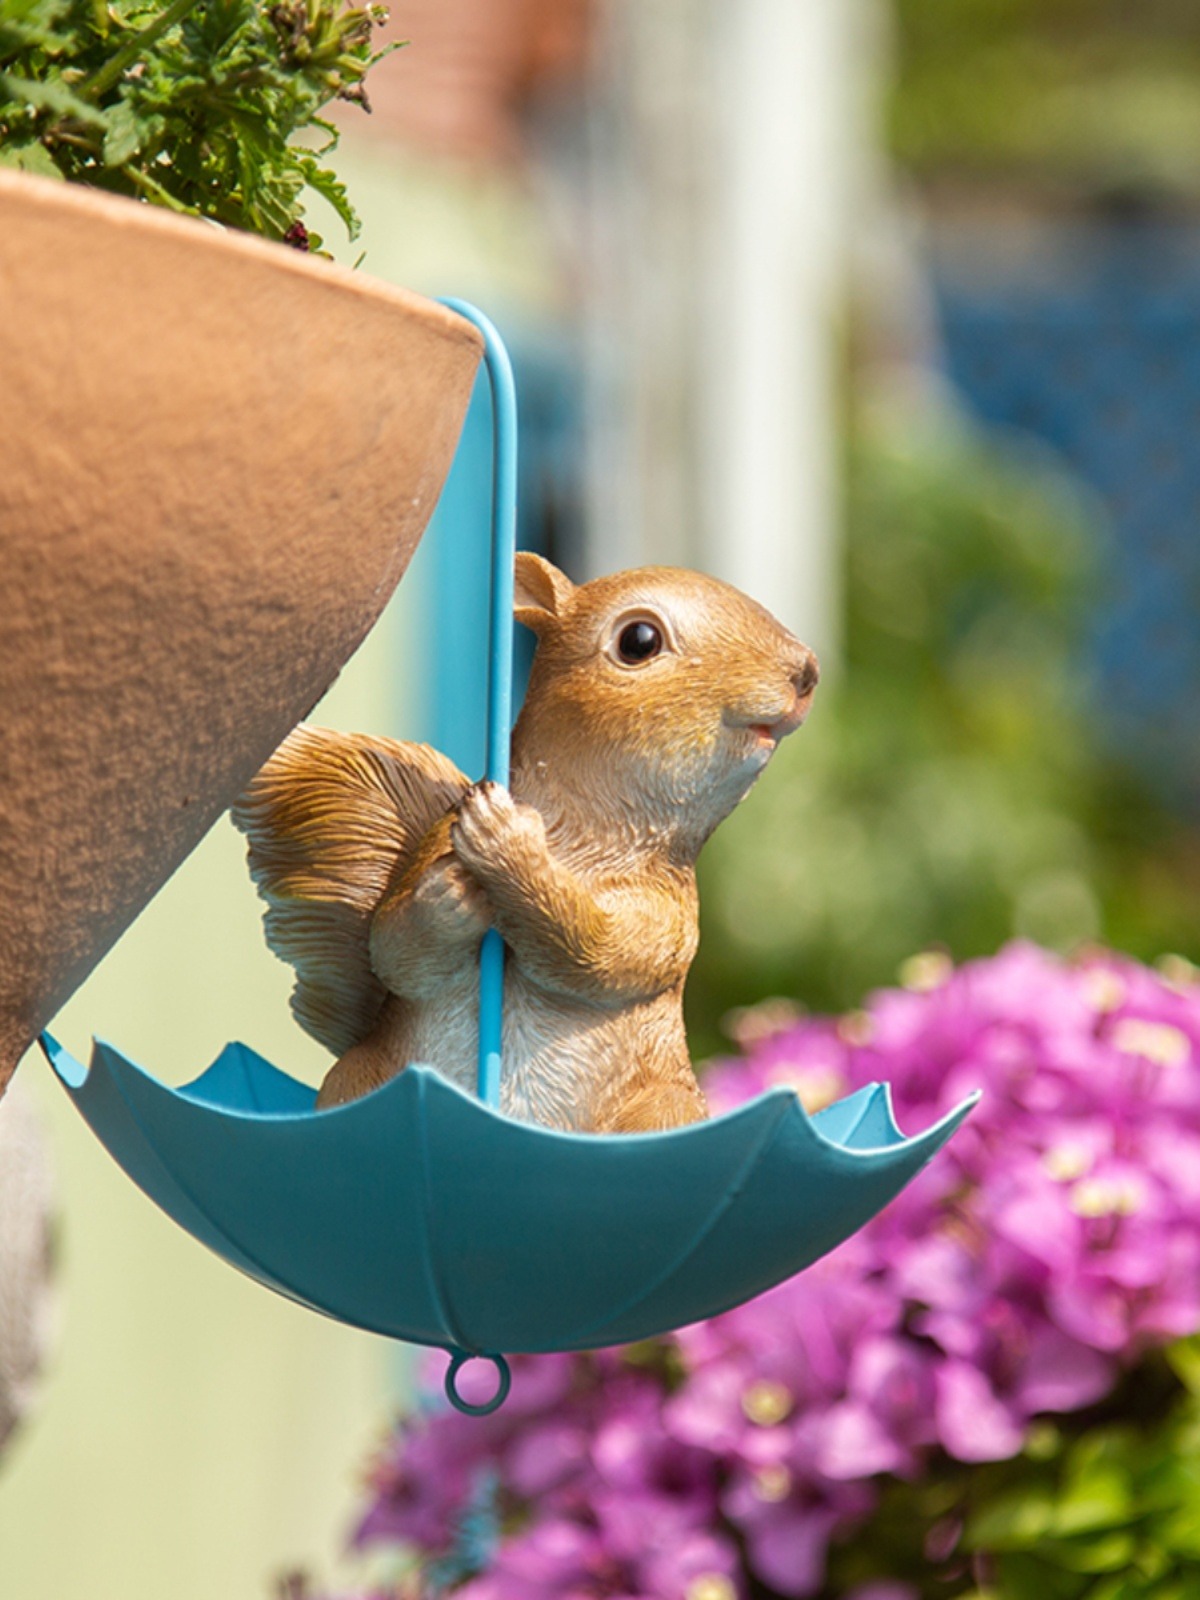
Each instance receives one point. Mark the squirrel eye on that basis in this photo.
(639, 641)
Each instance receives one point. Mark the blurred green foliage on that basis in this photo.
(202, 106)
(953, 785)
(1098, 1506)
(1087, 93)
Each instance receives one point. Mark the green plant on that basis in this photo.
(202, 106)
(1107, 1513)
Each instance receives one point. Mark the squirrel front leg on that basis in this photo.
(612, 943)
(426, 930)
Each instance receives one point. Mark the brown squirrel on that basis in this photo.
(655, 700)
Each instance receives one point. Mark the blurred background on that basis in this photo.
(888, 312)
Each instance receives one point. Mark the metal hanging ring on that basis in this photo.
(458, 1359)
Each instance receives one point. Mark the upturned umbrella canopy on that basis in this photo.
(422, 1213)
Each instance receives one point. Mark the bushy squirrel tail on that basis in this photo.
(332, 819)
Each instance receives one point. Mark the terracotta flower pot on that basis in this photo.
(216, 459)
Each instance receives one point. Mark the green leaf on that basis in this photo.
(1176, 1587)
(331, 188)
(126, 134)
(1012, 1522)
(1180, 1531)
(32, 157)
(1184, 1359)
(1116, 1588)
(1096, 1499)
(32, 24)
(1025, 1577)
(52, 95)
(1111, 1552)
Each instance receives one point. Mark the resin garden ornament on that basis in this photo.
(656, 699)
(421, 1210)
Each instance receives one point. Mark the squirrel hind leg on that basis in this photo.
(369, 1064)
(656, 1108)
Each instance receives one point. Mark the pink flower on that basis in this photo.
(973, 1423)
(545, 1562)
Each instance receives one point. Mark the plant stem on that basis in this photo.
(144, 182)
(104, 77)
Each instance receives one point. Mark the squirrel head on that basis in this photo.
(657, 695)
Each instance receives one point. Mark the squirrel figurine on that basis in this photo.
(656, 698)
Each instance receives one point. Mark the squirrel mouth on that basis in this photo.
(767, 734)
(770, 733)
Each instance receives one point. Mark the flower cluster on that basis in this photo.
(1048, 1247)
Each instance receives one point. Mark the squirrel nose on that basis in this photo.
(807, 675)
(804, 681)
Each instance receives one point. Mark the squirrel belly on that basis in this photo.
(610, 1072)
(655, 700)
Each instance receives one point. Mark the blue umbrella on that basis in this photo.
(422, 1213)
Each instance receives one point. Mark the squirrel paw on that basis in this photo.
(448, 901)
(493, 835)
(421, 939)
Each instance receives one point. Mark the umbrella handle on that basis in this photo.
(458, 1359)
(500, 663)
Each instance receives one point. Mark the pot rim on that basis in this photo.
(118, 211)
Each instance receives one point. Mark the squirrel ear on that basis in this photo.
(541, 593)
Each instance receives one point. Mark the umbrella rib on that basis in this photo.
(706, 1227)
(863, 1111)
(435, 1283)
(254, 1267)
(248, 1081)
(252, 1260)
